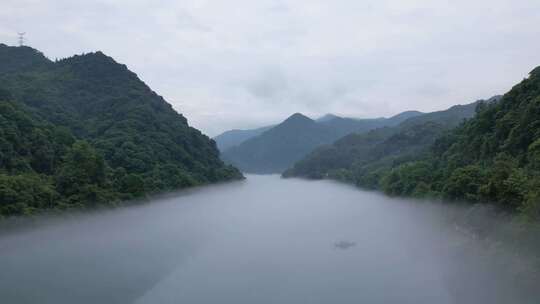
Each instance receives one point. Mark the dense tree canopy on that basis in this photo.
(85, 130)
(364, 157)
(493, 157)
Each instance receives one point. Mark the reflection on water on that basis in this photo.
(266, 240)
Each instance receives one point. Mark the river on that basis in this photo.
(263, 240)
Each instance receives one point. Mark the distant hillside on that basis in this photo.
(272, 151)
(275, 149)
(344, 126)
(357, 157)
(326, 117)
(90, 108)
(233, 138)
(494, 157)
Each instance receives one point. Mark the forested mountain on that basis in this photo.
(233, 138)
(21, 59)
(493, 157)
(277, 148)
(344, 125)
(341, 126)
(85, 130)
(361, 158)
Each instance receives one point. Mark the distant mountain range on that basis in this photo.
(275, 148)
(235, 137)
(342, 125)
(378, 147)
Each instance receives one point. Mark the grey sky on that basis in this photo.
(245, 63)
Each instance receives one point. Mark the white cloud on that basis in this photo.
(234, 64)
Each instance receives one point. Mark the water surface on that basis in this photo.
(263, 240)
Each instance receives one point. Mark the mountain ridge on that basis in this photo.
(342, 125)
(402, 140)
(492, 157)
(277, 148)
(115, 120)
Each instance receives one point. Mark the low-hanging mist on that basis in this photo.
(269, 240)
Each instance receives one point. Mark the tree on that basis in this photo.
(464, 184)
(82, 166)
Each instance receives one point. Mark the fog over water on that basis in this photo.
(267, 240)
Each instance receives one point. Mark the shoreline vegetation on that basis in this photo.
(85, 132)
(492, 158)
(50, 217)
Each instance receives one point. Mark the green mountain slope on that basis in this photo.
(277, 148)
(145, 145)
(231, 138)
(18, 59)
(494, 157)
(344, 126)
(362, 158)
(341, 126)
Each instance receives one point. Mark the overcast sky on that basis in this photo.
(246, 63)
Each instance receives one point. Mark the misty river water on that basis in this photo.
(263, 240)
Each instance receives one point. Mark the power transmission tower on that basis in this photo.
(21, 38)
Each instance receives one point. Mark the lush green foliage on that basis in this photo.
(365, 158)
(493, 157)
(85, 130)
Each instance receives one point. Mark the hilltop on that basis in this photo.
(86, 130)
